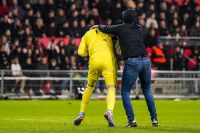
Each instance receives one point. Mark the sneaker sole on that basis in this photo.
(155, 125)
(131, 126)
(111, 124)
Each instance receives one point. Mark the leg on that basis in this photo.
(145, 78)
(111, 95)
(87, 94)
(111, 90)
(22, 84)
(92, 79)
(129, 77)
(110, 76)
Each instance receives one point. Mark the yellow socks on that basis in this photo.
(111, 94)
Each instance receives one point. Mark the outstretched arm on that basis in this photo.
(108, 29)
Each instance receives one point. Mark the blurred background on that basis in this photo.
(39, 41)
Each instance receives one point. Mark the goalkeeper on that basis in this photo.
(98, 46)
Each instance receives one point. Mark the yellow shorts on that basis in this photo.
(106, 68)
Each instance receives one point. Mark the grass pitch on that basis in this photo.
(57, 117)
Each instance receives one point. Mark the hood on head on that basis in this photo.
(130, 16)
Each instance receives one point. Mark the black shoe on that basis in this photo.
(155, 123)
(131, 124)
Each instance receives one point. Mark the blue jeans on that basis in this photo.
(135, 67)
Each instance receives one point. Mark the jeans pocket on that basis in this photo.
(132, 61)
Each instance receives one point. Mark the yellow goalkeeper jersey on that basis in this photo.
(98, 46)
(94, 42)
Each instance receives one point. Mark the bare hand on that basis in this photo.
(94, 26)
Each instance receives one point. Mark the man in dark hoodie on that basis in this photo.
(136, 63)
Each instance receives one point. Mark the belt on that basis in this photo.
(136, 56)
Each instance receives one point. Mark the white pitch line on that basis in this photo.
(44, 120)
(29, 119)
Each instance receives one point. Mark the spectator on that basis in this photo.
(71, 48)
(29, 83)
(16, 9)
(42, 65)
(174, 29)
(53, 65)
(158, 57)
(150, 39)
(83, 27)
(39, 28)
(178, 59)
(40, 7)
(60, 17)
(22, 22)
(142, 24)
(16, 70)
(195, 30)
(74, 30)
(95, 16)
(51, 30)
(53, 50)
(55, 83)
(29, 65)
(152, 21)
(50, 6)
(186, 20)
(104, 10)
(116, 13)
(30, 16)
(64, 30)
(73, 63)
(3, 8)
(51, 17)
(183, 31)
(163, 30)
(64, 60)
(4, 58)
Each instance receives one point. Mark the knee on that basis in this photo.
(90, 86)
(146, 91)
(125, 93)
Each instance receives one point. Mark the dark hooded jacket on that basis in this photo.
(130, 34)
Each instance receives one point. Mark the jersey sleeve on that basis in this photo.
(83, 50)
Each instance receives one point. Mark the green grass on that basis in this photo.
(50, 117)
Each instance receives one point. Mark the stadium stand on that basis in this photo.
(45, 34)
(36, 29)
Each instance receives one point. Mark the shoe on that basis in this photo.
(109, 117)
(98, 91)
(104, 91)
(131, 124)
(155, 123)
(21, 91)
(79, 119)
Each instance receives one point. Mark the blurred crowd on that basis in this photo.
(24, 22)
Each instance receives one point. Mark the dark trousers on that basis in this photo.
(135, 67)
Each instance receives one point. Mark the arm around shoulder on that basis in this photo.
(110, 29)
